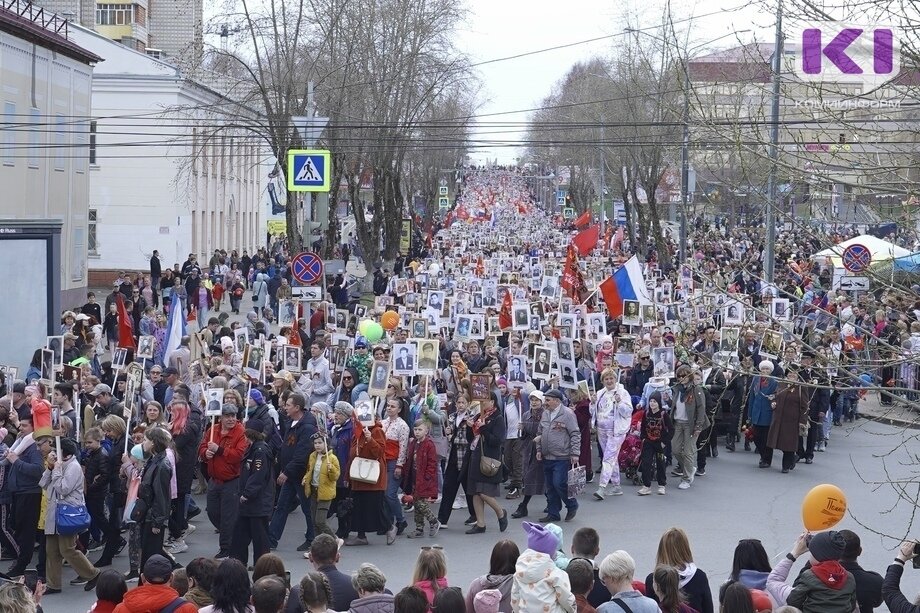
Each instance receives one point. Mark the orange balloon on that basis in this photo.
(390, 320)
(823, 507)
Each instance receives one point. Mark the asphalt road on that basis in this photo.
(734, 500)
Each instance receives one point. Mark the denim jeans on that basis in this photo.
(556, 476)
(286, 495)
(394, 511)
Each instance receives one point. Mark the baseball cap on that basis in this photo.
(157, 569)
(537, 394)
(361, 344)
(101, 388)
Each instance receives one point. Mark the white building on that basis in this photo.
(45, 89)
(167, 172)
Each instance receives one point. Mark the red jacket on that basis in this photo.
(152, 597)
(225, 465)
(424, 468)
(372, 449)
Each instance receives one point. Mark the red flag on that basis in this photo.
(504, 315)
(125, 324)
(573, 282)
(586, 240)
(611, 298)
(294, 334)
(583, 219)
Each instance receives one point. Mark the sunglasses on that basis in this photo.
(427, 547)
(347, 378)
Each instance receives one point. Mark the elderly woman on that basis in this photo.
(760, 410)
(63, 484)
(790, 417)
(369, 514)
(370, 582)
(533, 479)
(616, 572)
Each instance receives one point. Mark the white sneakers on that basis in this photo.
(644, 491)
(684, 485)
(661, 490)
(615, 490)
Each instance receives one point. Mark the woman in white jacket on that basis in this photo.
(612, 417)
(63, 483)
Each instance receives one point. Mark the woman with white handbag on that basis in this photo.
(367, 476)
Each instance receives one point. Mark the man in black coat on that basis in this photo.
(155, 272)
(868, 583)
(292, 462)
(819, 404)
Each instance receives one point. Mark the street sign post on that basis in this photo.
(856, 258)
(854, 284)
(307, 268)
(309, 170)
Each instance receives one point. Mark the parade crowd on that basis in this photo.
(497, 364)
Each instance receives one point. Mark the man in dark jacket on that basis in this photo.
(292, 463)
(707, 443)
(868, 583)
(27, 464)
(817, 388)
(256, 494)
(324, 553)
(641, 373)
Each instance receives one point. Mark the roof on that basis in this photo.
(26, 28)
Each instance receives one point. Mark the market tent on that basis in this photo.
(908, 263)
(881, 250)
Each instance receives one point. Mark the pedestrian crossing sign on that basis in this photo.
(308, 170)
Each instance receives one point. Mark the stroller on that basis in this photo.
(631, 450)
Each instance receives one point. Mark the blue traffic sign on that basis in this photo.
(856, 258)
(307, 268)
(308, 170)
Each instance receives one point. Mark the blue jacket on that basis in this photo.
(26, 472)
(759, 408)
(296, 448)
(341, 445)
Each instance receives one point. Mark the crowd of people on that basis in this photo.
(499, 360)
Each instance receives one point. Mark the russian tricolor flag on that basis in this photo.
(627, 283)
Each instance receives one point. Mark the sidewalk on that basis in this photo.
(901, 414)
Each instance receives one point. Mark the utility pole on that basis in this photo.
(770, 216)
(685, 164)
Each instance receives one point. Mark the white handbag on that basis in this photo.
(364, 470)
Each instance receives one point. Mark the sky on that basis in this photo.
(502, 28)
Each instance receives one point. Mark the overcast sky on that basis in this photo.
(502, 28)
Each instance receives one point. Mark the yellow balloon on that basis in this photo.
(823, 507)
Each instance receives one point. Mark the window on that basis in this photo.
(91, 241)
(114, 14)
(35, 135)
(92, 142)
(60, 143)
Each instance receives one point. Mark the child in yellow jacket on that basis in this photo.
(319, 482)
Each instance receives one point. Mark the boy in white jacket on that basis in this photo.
(612, 416)
(539, 585)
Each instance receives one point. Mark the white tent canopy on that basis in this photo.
(881, 250)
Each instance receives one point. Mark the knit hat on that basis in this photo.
(257, 396)
(487, 601)
(540, 539)
(537, 394)
(322, 407)
(157, 569)
(557, 532)
(825, 546)
(255, 423)
(502, 381)
(761, 601)
(344, 409)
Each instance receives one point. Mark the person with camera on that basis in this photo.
(894, 598)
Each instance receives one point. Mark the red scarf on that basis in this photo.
(831, 574)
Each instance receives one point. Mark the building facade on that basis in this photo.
(845, 150)
(167, 172)
(162, 29)
(45, 100)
